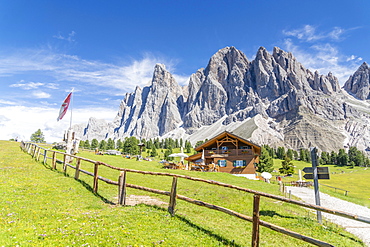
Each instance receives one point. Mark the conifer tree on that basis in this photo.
(94, 143)
(286, 166)
(266, 164)
(110, 144)
(119, 144)
(87, 144)
(103, 145)
(38, 137)
(153, 153)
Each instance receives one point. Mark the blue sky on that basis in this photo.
(104, 49)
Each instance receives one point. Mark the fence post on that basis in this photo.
(45, 156)
(34, 151)
(96, 177)
(122, 188)
(54, 160)
(64, 163)
(171, 207)
(38, 154)
(256, 221)
(77, 173)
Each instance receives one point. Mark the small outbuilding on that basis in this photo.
(231, 153)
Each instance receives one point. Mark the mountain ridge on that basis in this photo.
(294, 106)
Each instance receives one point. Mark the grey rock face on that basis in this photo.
(95, 128)
(359, 83)
(304, 108)
(152, 111)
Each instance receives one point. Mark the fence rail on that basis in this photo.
(335, 188)
(35, 151)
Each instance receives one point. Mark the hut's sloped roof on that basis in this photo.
(222, 135)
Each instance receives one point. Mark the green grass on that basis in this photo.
(45, 207)
(355, 180)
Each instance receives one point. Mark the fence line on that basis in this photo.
(34, 151)
(345, 191)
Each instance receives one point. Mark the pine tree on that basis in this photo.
(324, 159)
(110, 144)
(342, 158)
(188, 146)
(153, 153)
(94, 143)
(266, 164)
(38, 137)
(81, 145)
(181, 142)
(103, 145)
(356, 156)
(289, 153)
(280, 153)
(286, 166)
(87, 144)
(119, 144)
(295, 155)
(333, 158)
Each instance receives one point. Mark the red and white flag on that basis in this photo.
(64, 107)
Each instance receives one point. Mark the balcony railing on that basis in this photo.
(229, 152)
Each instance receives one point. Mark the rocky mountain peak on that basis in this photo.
(364, 66)
(359, 83)
(273, 94)
(225, 61)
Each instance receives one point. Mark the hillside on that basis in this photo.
(42, 206)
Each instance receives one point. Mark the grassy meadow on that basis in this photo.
(45, 207)
(355, 180)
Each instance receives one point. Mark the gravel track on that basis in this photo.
(361, 230)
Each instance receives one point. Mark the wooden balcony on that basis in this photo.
(229, 152)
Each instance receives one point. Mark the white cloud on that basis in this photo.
(336, 33)
(182, 80)
(21, 121)
(6, 102)
(69, 37)
(45, 103)
(354, 58)
(41, 95)
(319, 55)
(27, 86)
(64, 67)
(309, 33)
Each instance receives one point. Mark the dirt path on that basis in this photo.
(361, 230)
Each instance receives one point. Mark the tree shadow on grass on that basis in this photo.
(89, 188)
(272, 213)
(83, 183)
(219, 238)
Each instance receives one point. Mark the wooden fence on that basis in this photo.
(37, 151)
(335, 189)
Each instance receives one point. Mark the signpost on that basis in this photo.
(322, 173)
(316, 173)
(319, 176)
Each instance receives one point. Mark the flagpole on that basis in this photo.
(71, 105)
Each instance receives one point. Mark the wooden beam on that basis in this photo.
(256, 221)
(122, 189)
(96, 167)
(171, 207)
(54, 161)
(78, 164)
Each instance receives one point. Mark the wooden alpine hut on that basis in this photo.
(231, 153)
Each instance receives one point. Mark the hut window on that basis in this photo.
(239, 163)
(221, 163)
